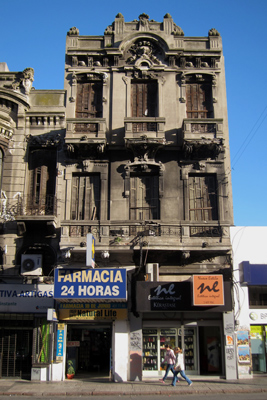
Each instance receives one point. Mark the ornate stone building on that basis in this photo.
(134, 151)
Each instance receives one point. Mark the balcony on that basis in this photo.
(149, 127)
(126, 235)
(28, 210)
(86, 131)
(203, 138)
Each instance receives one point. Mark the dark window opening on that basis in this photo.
(257, 296)
(203, 198)
(42, 181)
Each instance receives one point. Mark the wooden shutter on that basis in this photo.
(203, 198)
(144, 99)
(198, 100)
(144, 197)
(89, 100)
(42, 178)
(85, 200)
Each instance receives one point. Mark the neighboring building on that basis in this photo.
(250, 282)
(131, 162)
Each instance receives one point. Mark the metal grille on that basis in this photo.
(15, 353)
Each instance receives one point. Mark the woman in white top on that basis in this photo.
(179, 367)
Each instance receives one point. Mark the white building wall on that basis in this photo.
(120, 351)
(249, 243)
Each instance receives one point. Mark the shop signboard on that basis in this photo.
(26, 298)
(208, 290)
(258, 316)
(177, 296)
(93, 311)
(97, 284)
(60, 342)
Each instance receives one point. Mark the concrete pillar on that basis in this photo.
(135, 372)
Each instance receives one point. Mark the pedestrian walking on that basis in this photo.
(179, 367)
(170, 360)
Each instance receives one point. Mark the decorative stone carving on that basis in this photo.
(23, 81)
(143, 22)
(144, 148)
(177, 31)
(46, 140)
(203, 148)
(213, 32)
(144, 52)
(73, 31)
(108, 30)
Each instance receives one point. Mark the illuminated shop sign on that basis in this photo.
(109, 283)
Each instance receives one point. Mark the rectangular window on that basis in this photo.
(89, 100)
(144, 99)
(203, 198)
(144, 197)
(42, 180)
(257, 296)
(85, 197)
(199, 100)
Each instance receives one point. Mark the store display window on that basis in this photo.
(150, 349)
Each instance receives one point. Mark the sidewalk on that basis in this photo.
(94, 387)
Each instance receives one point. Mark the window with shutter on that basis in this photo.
(199, 100)
(85, 197)
(144, 197)
(144, 99)
(42, 179)
(89, 100)
(203, 198)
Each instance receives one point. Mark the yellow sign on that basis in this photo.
(93, 314)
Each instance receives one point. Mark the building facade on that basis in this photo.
(116, 191)
(250, 283)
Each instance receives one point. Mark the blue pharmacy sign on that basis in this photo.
(97, 284)
(60, 342)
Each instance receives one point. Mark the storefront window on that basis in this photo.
(189, 348)
(258, 348)
(154, 341)
(150, 349)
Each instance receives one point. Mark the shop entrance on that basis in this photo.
(89, 348)
(210, 350)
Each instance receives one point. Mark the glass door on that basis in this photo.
(167, 336)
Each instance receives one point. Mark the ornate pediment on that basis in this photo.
(144, 148)
(144, 53)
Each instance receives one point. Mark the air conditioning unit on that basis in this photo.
(152, 272)
(31, 264)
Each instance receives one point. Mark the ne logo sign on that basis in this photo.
(208, 290)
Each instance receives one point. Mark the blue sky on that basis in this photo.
(34, 34)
